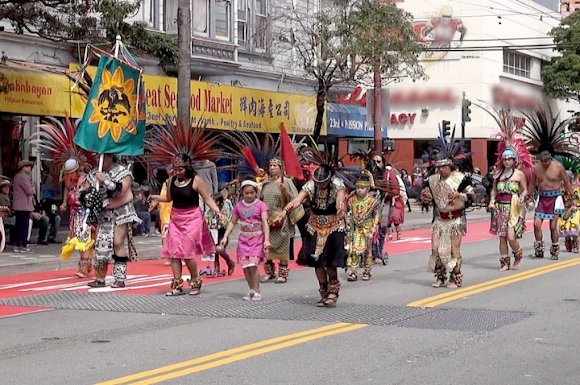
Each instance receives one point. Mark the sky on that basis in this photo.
(552, 4)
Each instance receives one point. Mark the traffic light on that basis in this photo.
(446, 128)
(465, 110)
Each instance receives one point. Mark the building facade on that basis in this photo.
(239, 48)
(491, 53)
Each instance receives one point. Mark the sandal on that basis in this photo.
(176, 287)
(352, 277)
(331, 300)
(281, 280)
(174, 292)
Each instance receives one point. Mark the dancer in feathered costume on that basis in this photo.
(569, 223)
(510, 189)
(364, 211)
(452, 193)
(56, 142)
(323, 248)
(548, 138)
(188, 235)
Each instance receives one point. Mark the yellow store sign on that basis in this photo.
(226, 107)
(31, 92)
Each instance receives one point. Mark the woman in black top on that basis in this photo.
(188, 235)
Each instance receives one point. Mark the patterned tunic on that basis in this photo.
(279, 237)
(509, 212)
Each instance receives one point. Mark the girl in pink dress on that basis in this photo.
(254, 239)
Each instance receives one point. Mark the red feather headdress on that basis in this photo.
(164, 143)
(509, 138)
(55, 140)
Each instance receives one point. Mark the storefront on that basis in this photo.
(27, 95)
(349, 131)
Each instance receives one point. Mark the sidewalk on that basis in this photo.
(48, 257)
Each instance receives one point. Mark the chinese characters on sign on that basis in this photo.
(230, 108)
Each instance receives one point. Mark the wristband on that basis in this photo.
(109, 185)
(288, 207)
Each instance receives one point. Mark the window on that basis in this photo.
(200, 19)
(152, 13)
(516, 64)
(260, 24)
(243, 13)
(223, 19)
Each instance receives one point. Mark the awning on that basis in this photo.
(34, 92)
(348, 120)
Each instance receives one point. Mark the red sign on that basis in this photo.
(403, 118)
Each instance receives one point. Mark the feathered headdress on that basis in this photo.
(55, 140)
(163, 144)
(510, 144)
(329, 161)
(449, 151)
(543, 133)
(570, 163)
(250, 154)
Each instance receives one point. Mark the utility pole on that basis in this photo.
(377, 113)
(184, 64)
(465, 114)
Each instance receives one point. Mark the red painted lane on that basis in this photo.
(152, 277)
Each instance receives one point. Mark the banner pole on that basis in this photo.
(101, 156)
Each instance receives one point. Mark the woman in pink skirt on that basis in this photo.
(254, 239)
(188, 235)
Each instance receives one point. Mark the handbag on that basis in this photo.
(277, 225)
(297, 214)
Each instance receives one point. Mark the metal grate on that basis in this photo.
(289, 308)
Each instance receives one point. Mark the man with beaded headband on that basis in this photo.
(452, 193)
(549, 179)
(363, 226)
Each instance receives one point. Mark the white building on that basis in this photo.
(491, 50)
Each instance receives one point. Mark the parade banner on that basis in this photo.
(112, 121)
(226, 107)
(31, 92)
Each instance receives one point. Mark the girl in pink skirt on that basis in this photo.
(254, 239)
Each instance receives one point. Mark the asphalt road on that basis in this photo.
(512, 328)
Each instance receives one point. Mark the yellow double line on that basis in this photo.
(232, 355)
(489, 285)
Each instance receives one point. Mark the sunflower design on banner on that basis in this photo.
(114, 117)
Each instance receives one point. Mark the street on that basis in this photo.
(515, 327)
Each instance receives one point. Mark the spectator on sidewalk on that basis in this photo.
(23, 192)
(50, 194)
(5, 210)
(142, 208)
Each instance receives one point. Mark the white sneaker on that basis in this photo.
(257, 297)
(17, 250)
(249, 296)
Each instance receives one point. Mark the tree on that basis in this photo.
(87, 22)
(335, 45)
(386, 44)
(561, 76)
(320, 41)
